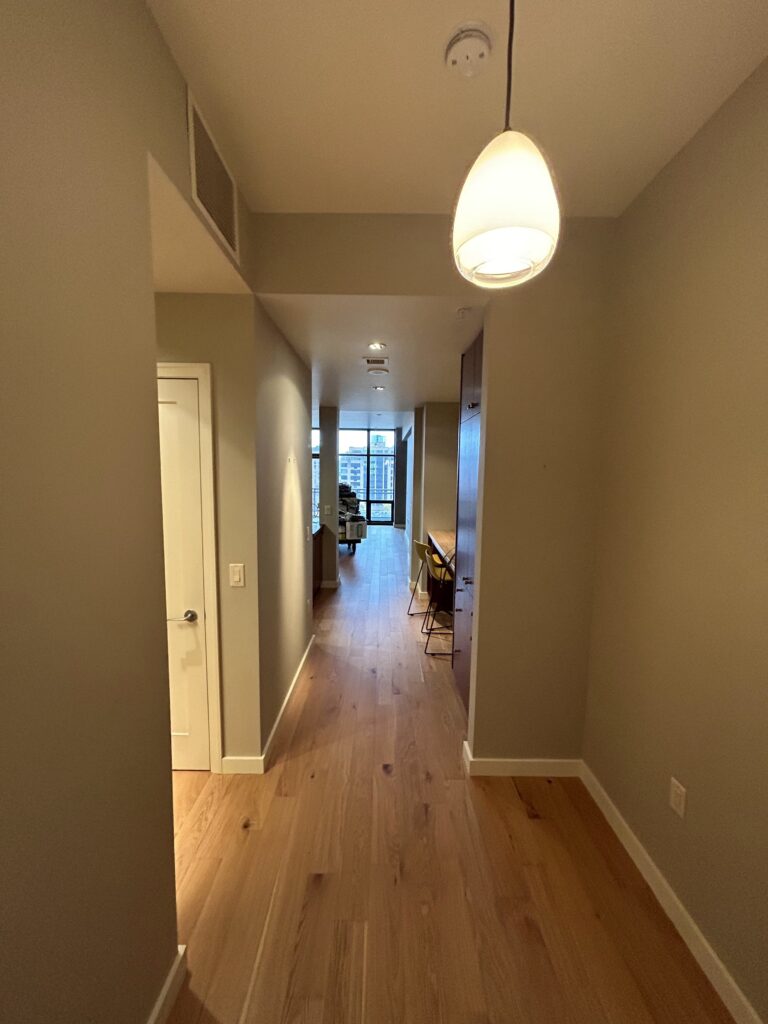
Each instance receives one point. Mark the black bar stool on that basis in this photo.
(440, 599)
(422, 552)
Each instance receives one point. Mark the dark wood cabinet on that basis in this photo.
(466, 515)
(471, 379)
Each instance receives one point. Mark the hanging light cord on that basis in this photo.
(510, 40)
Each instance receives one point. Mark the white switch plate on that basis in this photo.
(237, 574)
(309, 534)
(327, 509)
(677, 795)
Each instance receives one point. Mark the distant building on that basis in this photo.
(380, 477)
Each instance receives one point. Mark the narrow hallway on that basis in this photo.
(365, 878)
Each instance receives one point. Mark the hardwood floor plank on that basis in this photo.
(365, 880)
(187, 787)
(193, 829)
(345, 984)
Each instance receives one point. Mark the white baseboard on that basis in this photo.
(284, 705)
(713, 967)
(507, 766)
(259, 765)
(242, 765)
(419, 592)
(171, 986)
(737, 1003)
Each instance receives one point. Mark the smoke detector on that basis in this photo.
(468, 50)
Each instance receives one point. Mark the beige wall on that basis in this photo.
(219, 329)
(262, 427)
(355, 254)
(88, 924)
(431, 482)
(417, 487)
(543, 357)
(85, 726)
(329, 491)
(284, 495)
(679, 654)
(441, 439)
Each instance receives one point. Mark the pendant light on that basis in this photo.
(507, 220)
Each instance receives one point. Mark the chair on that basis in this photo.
(440, 595)
(421, 552)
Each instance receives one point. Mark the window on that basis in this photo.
(367, 464)
(316, 475)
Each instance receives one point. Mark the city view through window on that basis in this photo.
(367, 465)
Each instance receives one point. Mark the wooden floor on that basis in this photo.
(365, 880)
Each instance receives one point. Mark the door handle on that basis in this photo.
(190, 615)
(472, 405)
(468, 580)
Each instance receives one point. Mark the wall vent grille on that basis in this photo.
(213, 187)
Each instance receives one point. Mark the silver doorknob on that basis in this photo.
(190, 615)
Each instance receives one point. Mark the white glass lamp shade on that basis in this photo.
(507, 220)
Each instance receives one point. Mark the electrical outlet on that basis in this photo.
(677, 795)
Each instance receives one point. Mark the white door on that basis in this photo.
(184, 570)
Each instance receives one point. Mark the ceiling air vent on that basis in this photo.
(376, 364)
(213, 187)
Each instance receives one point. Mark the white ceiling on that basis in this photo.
(335, 106)
(352, 419)
(424, 337)
(185, 255)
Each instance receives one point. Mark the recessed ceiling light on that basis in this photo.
(377, 346)
(377, 387)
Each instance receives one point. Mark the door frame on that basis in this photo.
(201, 372)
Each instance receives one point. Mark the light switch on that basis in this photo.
(327, 510)
(237, 574)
